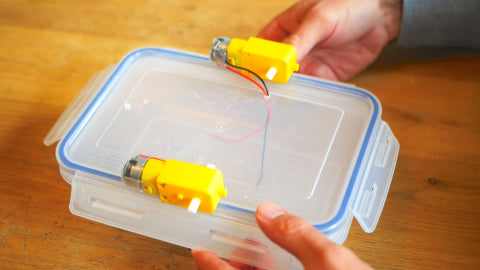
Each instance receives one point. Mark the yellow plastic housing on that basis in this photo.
(179, 183)
(264, 57)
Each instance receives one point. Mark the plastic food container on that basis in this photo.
(325, 155)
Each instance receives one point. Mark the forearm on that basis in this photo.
(440, 23)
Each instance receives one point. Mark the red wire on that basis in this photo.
(250, 79)
(250, 134)
(269, 111)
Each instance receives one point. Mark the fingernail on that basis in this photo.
(199, 248)
(270, 211)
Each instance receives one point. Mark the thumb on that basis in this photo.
(292, 233)
(313, 29)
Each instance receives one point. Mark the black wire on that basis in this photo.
(255, 74)
(266, 121)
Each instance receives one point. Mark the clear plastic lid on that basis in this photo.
(173, 105)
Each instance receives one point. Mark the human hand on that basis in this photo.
(297, 236)
(336, 39)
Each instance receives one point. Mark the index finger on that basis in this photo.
(285, 23)
(274, 31)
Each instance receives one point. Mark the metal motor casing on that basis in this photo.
(132, 172)
(218, 52)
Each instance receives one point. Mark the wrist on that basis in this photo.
(392, 17)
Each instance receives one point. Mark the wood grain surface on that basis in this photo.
(49, 50)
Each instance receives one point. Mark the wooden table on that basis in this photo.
(50, 49)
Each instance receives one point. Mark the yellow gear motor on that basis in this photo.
(195, 187)
(270, 60)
